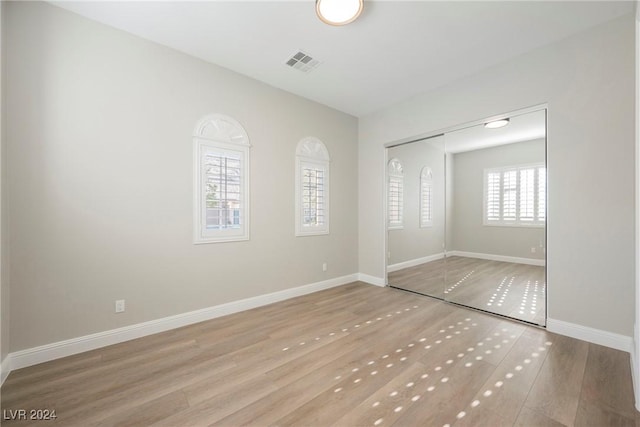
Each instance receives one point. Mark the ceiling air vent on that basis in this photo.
(303, 62)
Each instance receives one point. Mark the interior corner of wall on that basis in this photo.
(5, 368)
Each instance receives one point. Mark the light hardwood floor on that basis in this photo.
(505, 288)
(356, 355)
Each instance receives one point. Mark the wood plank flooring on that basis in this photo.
(509, 289)
(356, 355)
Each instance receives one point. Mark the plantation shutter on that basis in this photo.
(313, 196)
(509, 193)
(395, 200)
(515, 195)
(493, 196)
(223, 182)
(542, 194)
(527, 194)
(426, 197)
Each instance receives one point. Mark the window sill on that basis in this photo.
(517, 225)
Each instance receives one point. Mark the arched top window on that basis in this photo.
(426, 174)
(312, 187)
(313, 149)
(426, 197)
(395, 167)
(221, 178)
(395, 196)
(220, 128)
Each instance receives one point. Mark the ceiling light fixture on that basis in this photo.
(338, 12)
(496, 124)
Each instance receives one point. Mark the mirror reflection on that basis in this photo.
(467, 217)
(416, 216)
(496, 211)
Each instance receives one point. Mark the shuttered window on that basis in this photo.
(221, 155)
(426, 197)
(312, 188)
(223, 180)
(515, 195)
(542, 194)
(313, 214)
(395, 188)
(493, 205)
(509, 195)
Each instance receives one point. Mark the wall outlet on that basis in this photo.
(324, 266)
(119, 306)
(533, 250)
(389, 254)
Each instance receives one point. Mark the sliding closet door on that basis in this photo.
(496, 217)
(416, 216)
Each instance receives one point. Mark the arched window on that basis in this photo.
(426, 197)
(312, 187)
(221, 178)
(395, 196)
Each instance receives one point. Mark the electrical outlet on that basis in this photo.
(324, 266)
(533, 250)
(119, 306)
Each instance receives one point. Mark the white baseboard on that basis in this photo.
(503, 258)
(48, 352)
(596, 336)
(634, 377)
(372, 280)
(45, 353)
(5, 369)
(633, 360)
(414, 262)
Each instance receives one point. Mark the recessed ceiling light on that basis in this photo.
(496, 124)
(338, 12)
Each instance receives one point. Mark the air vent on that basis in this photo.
(302, 61)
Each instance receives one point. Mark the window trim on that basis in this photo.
(395, 172)
(312, 152)
(535, 223)
(223, 134)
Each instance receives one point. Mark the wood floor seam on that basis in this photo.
(347, 356)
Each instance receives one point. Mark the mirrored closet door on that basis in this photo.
(496, 212)
(416, 216)
(467, 217)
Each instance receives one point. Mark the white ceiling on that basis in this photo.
(524, 127)
(394, 51)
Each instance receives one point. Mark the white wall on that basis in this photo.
(588, 82)
(4, 282)
(635, 362)
(469, 232)
(98, 128)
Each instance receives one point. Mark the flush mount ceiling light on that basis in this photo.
(497, 124)
(338, 12)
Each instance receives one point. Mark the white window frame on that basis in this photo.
(223, 135)
(395, 179)
(426, 197)
(311, 153)
(539, 197)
